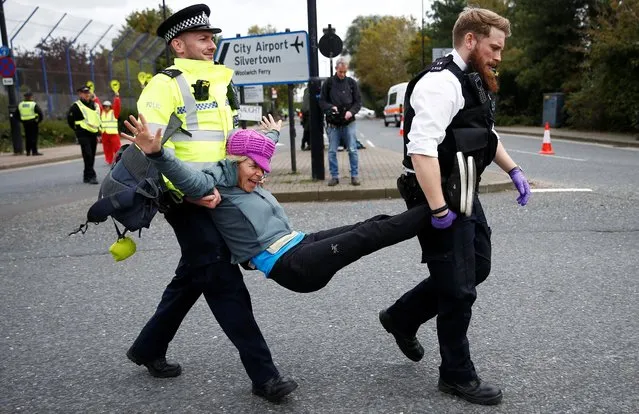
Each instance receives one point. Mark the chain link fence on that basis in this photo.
(56, 52)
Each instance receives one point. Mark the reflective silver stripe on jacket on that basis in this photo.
(153, 129)
(199, 165)
(189, 103)
(210, 136)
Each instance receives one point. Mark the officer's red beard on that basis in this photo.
(486, 70)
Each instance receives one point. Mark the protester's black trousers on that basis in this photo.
(311, 264)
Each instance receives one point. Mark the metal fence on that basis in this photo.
(56, 52)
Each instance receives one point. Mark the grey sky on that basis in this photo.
(233, 17)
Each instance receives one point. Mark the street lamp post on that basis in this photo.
(317, 139)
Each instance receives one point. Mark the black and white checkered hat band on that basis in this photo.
(201, 20)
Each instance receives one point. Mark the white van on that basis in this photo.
(395, 104)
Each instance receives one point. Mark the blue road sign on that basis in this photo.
(4, 51)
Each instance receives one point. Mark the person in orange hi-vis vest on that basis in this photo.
(109, 114)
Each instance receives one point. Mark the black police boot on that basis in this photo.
(158, 368)
(475, 391)
(275, 389)
(409, 346)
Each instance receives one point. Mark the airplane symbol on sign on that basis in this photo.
(297, 44)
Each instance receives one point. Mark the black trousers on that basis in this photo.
(88, 144)
(458, 259)
(311, 264)
(223, 287)
(31, 132)
(306, 135)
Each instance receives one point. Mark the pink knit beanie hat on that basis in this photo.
(250, 143)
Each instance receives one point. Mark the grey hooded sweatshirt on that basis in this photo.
(248, 222)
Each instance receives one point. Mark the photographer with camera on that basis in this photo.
(340, 100)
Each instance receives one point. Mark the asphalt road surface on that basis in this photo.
(555, 325)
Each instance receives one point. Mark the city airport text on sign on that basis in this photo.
(266, 59)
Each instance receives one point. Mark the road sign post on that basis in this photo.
(330, 45)
(16, 136)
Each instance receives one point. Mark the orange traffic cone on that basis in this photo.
(401, 127)
(546, 145)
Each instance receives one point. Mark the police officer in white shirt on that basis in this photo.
(449, 139)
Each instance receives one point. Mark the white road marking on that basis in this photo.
(561, 190)
(573, 141)
(370, 143)
(552, 156)
(31, 167)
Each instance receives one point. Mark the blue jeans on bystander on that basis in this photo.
(335, 133)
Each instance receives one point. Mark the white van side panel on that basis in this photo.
(394, 104)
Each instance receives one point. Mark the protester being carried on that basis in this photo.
(255, 226)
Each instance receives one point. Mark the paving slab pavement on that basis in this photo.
(379, 167)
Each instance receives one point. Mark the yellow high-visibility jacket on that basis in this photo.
(91, 120)
(27, 110)
(109, 123)
(205, 123)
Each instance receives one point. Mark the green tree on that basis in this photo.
(414, 61)
(609, 99)
(354, 36)
(258, 30)
(550, 45)
(443, 15)
(378, 67)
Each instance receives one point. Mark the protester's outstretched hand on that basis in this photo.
(269, 124)
(142, 137)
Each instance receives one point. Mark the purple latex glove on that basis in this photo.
(521, 184)
(443, 222)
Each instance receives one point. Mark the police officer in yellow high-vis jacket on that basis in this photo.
(194, 99)
(84, 118)
(30, 115)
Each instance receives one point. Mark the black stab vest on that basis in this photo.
(470, 131)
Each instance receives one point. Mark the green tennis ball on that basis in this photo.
(122, 249)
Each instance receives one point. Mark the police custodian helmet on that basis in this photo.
(194, 17)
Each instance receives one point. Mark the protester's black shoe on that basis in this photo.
(409, 346)
(275, 389)
(38, 153)
(476, 391)
(158, 367)
(92, 181)
(355, 181)
(333, 182)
